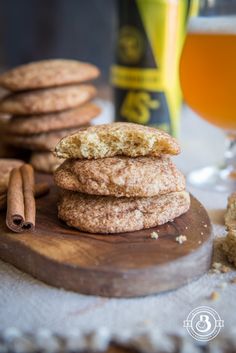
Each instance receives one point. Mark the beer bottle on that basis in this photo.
(145, 74)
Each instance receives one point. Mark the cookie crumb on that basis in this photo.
(218, 268)
(154, 235)
(181, 239)
(233, 280)
(225, 269)
(216, 265)
(214, 296)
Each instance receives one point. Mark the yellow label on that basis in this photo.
(165, 30)
(137, 105)
(194, 8)
(134, 78)
(151, 34)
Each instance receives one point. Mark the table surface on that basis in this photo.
(29, 305)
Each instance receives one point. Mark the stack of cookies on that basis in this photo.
(49, 100)
(229, 243)
(119, 178)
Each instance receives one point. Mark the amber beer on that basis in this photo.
(208, 69)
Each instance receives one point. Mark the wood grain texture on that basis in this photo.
(122, 265)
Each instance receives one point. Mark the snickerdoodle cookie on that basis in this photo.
(47, 100)
(45, 162)
(39, 142)
(28, 125)
(107, 214)
(48, 73)
(229, 246)
(120, 176)
(6, 166)
(229, 243)
(109, 140)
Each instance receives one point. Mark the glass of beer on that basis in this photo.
(208, 81)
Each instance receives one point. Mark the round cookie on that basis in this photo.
(28, 125)
(120, 176)
(4, 120)
(8, 151)
(47, 100)
(109, 140)
(107, 214)
(45, 162)
(48, 73)
(40, 142)
(6, 166)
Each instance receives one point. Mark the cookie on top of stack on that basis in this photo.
(119, 178)
(49, 100)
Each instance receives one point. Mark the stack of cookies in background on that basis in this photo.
(229, 243)
(119, 178)
(49, 100)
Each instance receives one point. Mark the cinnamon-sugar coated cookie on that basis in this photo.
(107, 214)
(39, 142)
(28, 125)
(47, 100)
(120, 176)
(48, 73)
(229, 243)
(229, 247)
(110, 140)
(45, 162)
(6, 166)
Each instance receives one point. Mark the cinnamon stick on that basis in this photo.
(27, 175)
(3, 202)
(40, 190)
(15, 201)
(21, 208)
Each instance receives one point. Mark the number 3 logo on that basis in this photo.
(204, 324)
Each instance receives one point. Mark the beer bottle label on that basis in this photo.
(145, 75)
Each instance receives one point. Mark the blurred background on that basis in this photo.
(85, 30)
(40, 29)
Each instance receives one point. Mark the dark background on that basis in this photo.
(41, 29)
(78, 29)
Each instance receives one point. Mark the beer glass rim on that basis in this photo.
(213, 24)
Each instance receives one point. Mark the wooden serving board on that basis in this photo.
(122, 265)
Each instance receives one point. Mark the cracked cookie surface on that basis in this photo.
(114, 139)
(121, 176)
(47, 100)
(107, 214)
(48, 73)
(39, 142)
(28, 125)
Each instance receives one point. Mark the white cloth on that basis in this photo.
(28, 304)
